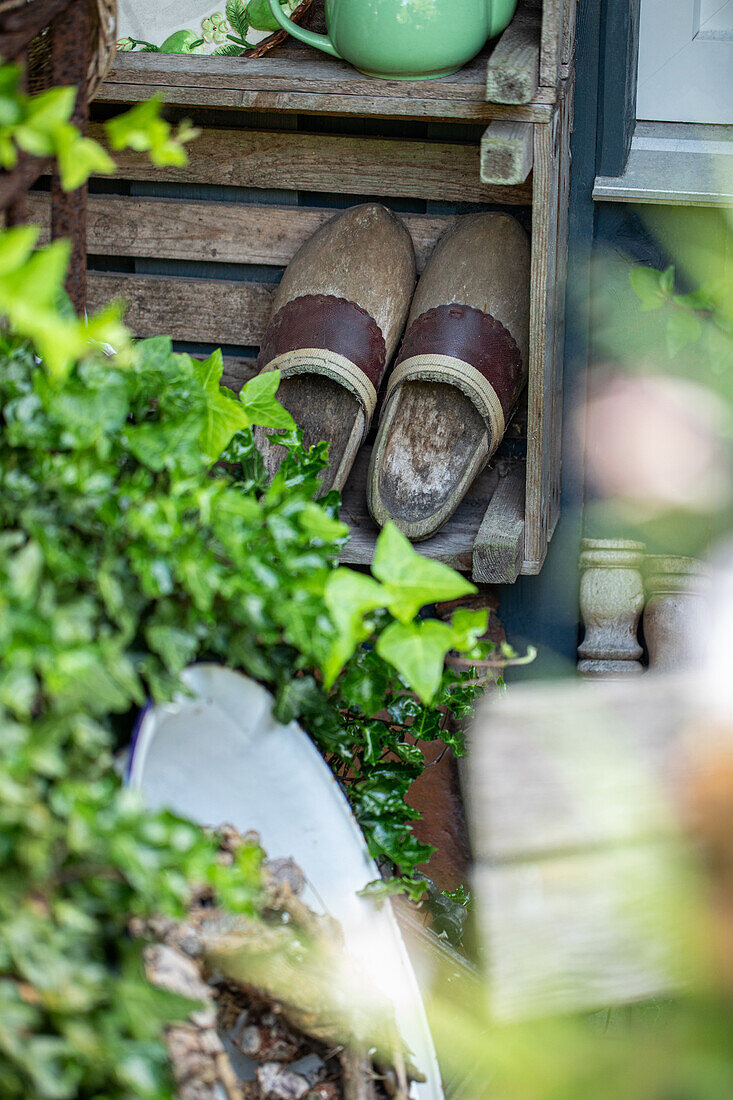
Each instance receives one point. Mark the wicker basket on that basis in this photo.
(102, 44)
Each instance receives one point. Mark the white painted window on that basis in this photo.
(686, 61)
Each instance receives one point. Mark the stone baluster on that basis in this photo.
(611, 602)
(675, 614)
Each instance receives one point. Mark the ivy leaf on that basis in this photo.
(349, 596)
(176, 647)
(224, 415)
(79, 158)
(468, 627)
(142, 129)
(317, 523)
(24, 571)
(47, 109)
(16, 245)
(666, 281)
(696, 299)
(411, 580)
(683, 328)
(262, 408)
(168, 445)
(381, 889)
(646, 284)
(417, 651)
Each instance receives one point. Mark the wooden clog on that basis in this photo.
(459, 373)
(338, 315)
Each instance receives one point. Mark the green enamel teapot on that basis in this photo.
(405, 39)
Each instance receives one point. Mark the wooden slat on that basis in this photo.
(507, 152)
(222, 232)
(575, 795)
(568, 37)
(553, 31)
(498, 551)
(217, 311)
(561, 274)
(327, 162)
(352, 106)
(512, 74)
(540, 386)
(297, 79)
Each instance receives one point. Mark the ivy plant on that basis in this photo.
(139, 534)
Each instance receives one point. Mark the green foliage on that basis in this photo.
(139, 534)
(31, 283)
(123, 559)
(142, 129)
(687, 316)
(40, 125)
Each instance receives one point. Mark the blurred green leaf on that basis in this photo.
(647, 285)
(260, 404)
(683, 328)
(410, 580)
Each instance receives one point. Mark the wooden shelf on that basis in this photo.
(297, 78)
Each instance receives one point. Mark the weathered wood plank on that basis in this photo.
(217, 311)
(558, 316)
(498, 551)
(347, 106)
(583, 932)
(568, 36)
(512, 73)
(223, 232)
(575, 792)
(299, 80)
(507, 152)
(329, 162)
(541, 380)
(553, 31)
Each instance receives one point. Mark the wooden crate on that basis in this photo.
(331, 136)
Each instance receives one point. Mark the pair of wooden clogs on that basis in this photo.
(339, 313)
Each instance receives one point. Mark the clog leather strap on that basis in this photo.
(322, 334)
(467, 348)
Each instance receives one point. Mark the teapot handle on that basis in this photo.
(320, 41)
